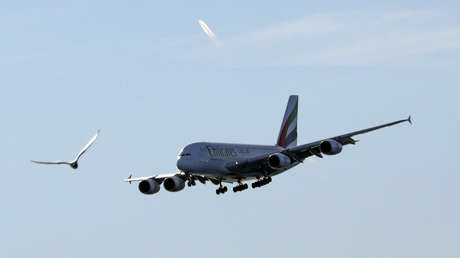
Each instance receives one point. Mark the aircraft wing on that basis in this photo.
(160, 177)
(301, 152)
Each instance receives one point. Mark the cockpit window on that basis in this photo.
(183, 153)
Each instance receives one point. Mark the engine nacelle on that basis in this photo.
(278, 161)
(330, 147)
(149, 186)
(174, 184)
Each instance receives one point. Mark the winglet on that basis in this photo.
(409, 120)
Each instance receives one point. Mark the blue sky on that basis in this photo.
(149, 78)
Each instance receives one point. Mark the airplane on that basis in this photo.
(237, 163)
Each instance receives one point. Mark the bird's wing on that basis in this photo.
(87, 145)
(51, 162)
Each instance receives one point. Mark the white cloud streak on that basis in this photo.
(359, 37)
(207, 30)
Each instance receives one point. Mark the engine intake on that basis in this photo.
(149, 186)
(278, 161)
(174, 184)
(330, 147)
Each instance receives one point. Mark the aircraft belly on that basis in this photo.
(214, 169)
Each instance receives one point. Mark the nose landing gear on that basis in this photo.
(221, 190)
(191, 182)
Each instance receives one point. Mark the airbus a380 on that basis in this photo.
(237, 163)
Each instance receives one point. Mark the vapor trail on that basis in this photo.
(207, 30)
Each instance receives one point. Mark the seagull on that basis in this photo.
(74, 163)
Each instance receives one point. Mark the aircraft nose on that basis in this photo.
(181, 164)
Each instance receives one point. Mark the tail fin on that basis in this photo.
(288, 133)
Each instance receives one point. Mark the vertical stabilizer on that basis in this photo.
(288, 133)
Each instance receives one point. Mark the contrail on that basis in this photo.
(207, 30)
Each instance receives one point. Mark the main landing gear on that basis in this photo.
(240, 188)
(261, 182)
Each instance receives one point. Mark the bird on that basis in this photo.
(74, 163)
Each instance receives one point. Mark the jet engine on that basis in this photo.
(149, 186)
(174, 184)
(330, 147)
(278, 161)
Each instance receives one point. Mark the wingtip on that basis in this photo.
(128, 179)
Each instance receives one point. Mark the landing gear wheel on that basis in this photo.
(261, 182)
(221, 190)
(240, 188)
